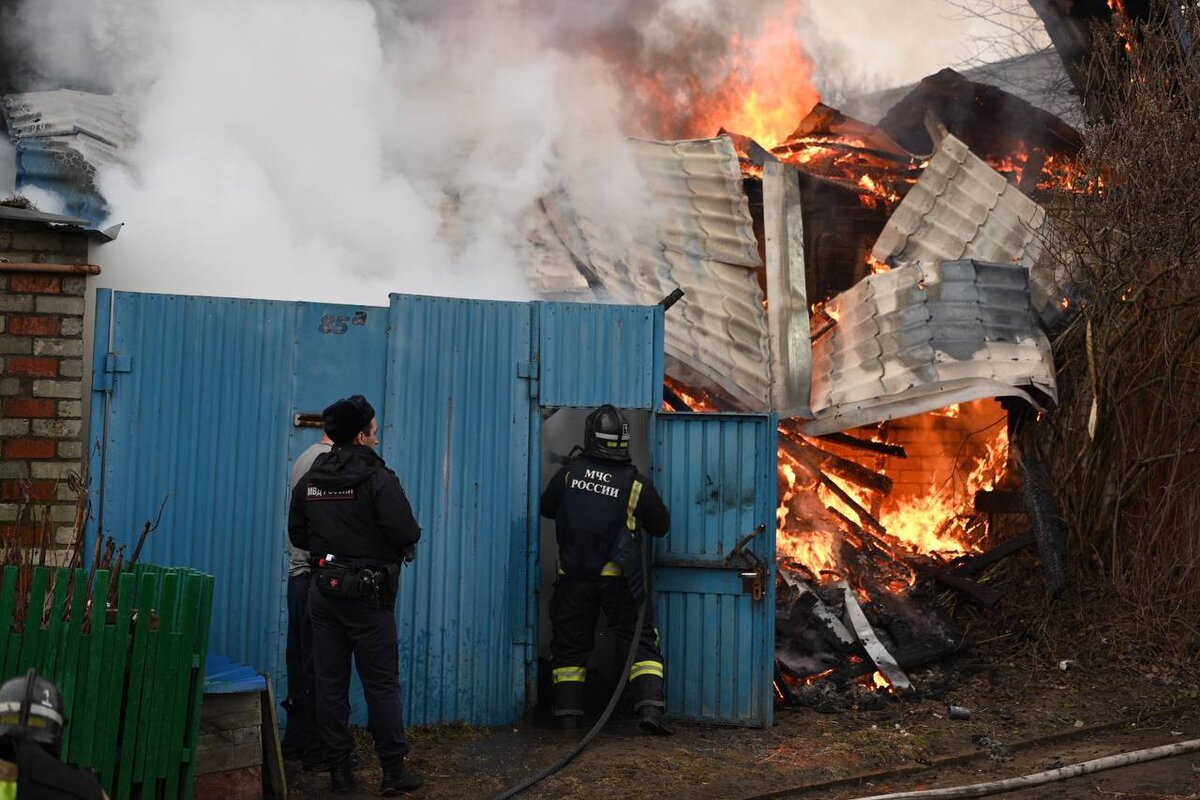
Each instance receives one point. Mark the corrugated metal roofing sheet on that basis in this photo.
(706, 246)
(924, 336)
(962, 208)
(62, 139)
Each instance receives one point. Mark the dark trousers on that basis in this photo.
(574, 611)
(365, 629)
(301, 739)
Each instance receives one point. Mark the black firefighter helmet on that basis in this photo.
(606, 434)
(31, 708)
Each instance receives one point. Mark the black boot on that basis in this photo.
(567, 722)
(651, 722)
(341, 776)
(398, 780)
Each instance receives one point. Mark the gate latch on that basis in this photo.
(753, 571)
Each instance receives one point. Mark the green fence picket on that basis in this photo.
(108, 734)
(32, 637)
(168, 657)
(69, 659)
(8, 593)
(196, 683)
(92, 658)
(136, 696)
(47, 658)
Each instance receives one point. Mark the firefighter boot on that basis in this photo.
(397, 780)
(341, 776)
(651, 722)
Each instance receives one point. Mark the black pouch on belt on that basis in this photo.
(333, 580)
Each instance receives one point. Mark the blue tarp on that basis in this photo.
(222, 676)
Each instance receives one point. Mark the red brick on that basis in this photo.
(29, 448)
(40, 408)
(32, 367)
(15, 491)
(20, 325)
(25, 534)
(35, 284)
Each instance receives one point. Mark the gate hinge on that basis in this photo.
(528, 370)
(113, 363)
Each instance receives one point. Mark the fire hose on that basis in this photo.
(513, 791)
(1049, 776)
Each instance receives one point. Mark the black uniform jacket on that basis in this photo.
(598, 505)
(351, 505)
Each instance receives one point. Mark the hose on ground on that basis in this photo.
(1049, 776)
(532, 780)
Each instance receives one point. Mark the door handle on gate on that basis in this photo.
(754, 574)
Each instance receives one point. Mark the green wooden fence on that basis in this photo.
(132, 675)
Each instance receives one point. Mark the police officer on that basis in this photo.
(351, 514)
(31, 730)
(600, 502)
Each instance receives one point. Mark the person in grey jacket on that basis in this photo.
(301, 741)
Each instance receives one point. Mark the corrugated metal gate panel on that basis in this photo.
(717, 474)
(456, 430)
(592, 354)
(196, 417)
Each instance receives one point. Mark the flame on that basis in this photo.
(934, 521)
(768, 85)
(695, 399)
(880, 681)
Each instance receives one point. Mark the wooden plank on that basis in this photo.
(69, 660)
(274, 776)
(136, 695)
(115, 667)
(90, 752)
(52, 645)
(155, 681)
(203, 623)
(181, 733)
(33, 622)
(980, 562)
(8, 593)
(983, 595)
(170, 645)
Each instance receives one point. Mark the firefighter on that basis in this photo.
(599, 502)
(352, 515)
(301, 740)
(31, 732)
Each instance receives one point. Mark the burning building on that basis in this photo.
(880, 287)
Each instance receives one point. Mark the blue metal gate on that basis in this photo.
(193, 403)
(198, 399)
(716, 607)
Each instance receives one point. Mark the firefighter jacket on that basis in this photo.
(351, 506)
(37, 775)
(598, 506)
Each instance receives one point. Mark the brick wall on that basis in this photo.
(935, 443)
(41, 369)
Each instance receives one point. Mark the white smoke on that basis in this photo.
(321, 150)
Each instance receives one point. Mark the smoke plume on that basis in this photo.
(331, 149)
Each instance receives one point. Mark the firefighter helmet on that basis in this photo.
(606, 434)
(31, 708)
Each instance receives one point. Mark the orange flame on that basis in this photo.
(768, 86)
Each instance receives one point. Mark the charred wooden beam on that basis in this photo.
(879, 448)
(983, 595)
(819, 460)
(979, 563)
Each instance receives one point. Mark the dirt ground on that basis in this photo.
(1011, 704)
(1048, 683)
